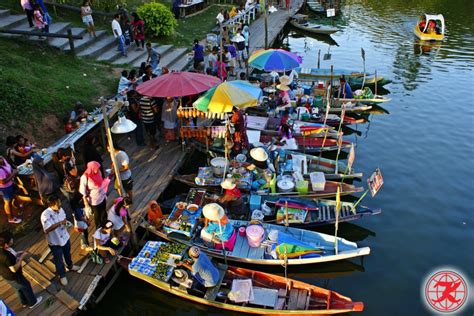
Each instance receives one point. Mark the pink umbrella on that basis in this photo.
(177, 84)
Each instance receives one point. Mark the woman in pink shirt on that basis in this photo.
(94, 192)
(7, 173)
(28, 8)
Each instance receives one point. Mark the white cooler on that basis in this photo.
(318, 181)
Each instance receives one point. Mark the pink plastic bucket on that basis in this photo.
(255, 234)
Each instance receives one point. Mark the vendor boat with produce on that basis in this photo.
(189, 274)
(251, 242)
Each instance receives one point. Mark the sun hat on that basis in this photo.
(228, 184)
(285, 80)
(283, 87)
(213, 211)
(259, 154)
(194, 252)
(180, 276)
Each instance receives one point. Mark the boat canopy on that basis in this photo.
(434, 17)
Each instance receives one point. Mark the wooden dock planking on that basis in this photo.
(152, 172)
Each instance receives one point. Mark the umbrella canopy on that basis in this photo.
(274, 60)
(177, 84)
(222, 98)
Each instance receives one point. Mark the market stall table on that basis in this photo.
(192, 6)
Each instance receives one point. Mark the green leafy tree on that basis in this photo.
(158, 18)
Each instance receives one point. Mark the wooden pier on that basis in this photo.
(152, 172)
(276, 22)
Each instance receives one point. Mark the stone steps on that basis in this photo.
(97, 48)
(11, 21)
(103, 47)
(85, 42)
(181, 64)
(137, 57)
(62, 43)
(4, 13)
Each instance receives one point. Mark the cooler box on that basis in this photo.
(255, 202)
(318, 181)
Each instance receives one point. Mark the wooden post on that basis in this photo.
(319, 58)
(375, 93)
(71, 42)
(221, 49)
(266, 23)
(110, 143)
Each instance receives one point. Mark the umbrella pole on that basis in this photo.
(221, 49)
(181, 124)
(222, 242)
(326, 117)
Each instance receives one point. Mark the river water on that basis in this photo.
(424, 149)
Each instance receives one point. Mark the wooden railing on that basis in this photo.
(69, 36)
(245, 18)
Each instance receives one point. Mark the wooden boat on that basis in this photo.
(428, 34)
(281, 296)
(356, 82)
(324, 73)
(305, 144)
(377, 99)
(330, 190)
(313, 213)
(350, 108)
(314, 28)
(265, 254)
(317, 7)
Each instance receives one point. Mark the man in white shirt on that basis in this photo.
(125, 173)
(220, 16)
(54, 222)
(118, 34)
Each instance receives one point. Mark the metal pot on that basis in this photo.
(218, 165)
(285, 186)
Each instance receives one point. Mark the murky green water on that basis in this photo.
(424, 148)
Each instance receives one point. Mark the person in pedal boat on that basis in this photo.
(217, 228)
(202, 268)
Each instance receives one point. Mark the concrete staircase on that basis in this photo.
(103, 48)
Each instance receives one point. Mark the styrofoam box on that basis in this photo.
(318, 181)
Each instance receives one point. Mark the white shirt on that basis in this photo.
(220, 17)
(102, 237)
(116, 28)
(115, 219)
(96, 194)
(59, 236)
(122, 161)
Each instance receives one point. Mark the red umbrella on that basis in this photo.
(177, 84)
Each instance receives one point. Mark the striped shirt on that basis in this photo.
(147, 110)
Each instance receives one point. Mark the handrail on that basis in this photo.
(54, 35)
(247, 13)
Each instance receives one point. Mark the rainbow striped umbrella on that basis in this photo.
(274, 60)
(228, 94)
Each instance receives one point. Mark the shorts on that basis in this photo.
(150, 128)
(8, 193)
(128, 184)
(87, 20)
(232, 62)
(242, 54)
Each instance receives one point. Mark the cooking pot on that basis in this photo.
(218, 165)
(285, 185)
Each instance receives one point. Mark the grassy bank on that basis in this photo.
(40, 83)
(186, 31)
